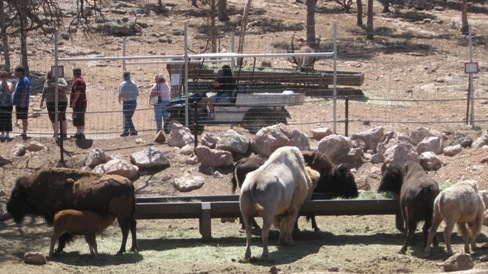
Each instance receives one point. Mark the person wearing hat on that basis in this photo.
(21, 98)
(128, 93)
(78, 103)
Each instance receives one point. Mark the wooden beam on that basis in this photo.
(205, 208)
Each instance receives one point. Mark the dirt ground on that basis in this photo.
(356, 244)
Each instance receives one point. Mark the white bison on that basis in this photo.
(276, 192)
(461, 204)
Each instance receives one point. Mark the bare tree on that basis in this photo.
(464, 18)
(222, 9)
(311, 40)
(25, 16)
(369, 27)
(359, 14)
(6, 48)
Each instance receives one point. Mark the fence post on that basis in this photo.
(195, 124)
(346, 121)
(206, 222)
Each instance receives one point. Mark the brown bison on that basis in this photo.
(417, 192)
(86, 223)
(54, 189)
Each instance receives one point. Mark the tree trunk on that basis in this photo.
(386, 6)
(222, 8)
(23, 42)
(6, 48)
(369, 27)
(359, 21)
(212, 25)
(311, 41)
(240, 47)
(464, 18)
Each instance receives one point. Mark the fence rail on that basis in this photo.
(205, 208)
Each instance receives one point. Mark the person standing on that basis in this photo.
(49, 95)
(128, 93)
(21, 98)
(78, 103)
(5, 106)
(162, 90)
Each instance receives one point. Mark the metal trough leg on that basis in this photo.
(206, 222)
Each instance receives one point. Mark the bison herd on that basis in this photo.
(84, 203)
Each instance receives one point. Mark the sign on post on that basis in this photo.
(471, 67)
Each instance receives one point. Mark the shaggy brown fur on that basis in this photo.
(87, 223)
(54, 189)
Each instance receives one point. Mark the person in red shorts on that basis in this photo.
(78, 103)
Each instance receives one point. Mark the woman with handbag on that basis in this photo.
(159, 98)
(5, 106)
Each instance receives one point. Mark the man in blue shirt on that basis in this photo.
(128, 93)
(21, 98)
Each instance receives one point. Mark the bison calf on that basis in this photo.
(461, 204)
(87, 223)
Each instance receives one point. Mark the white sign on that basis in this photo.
(175, 79)
(471, 67)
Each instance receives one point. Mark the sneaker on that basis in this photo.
(124, 134)
(2, 136)
(23, 136)
(134, 133)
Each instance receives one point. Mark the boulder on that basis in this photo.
(186, 184)
(95, 157)
(319, 133)
(453, 150)
(4, 161)
(120, 167)
(36, 258)
(430, 161)
(268, 139)
(335, 146)
(433, 143)
(213, 157)
(209, 139)
(149, 158)
(458, 262)
(233, 142)
(370, 137)
(421, 133)
(180, 136)
(160, 137)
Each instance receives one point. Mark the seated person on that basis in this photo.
(223, 85)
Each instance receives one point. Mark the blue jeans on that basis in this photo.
(160, 114)
(128, 109)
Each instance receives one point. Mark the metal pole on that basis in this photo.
(186, 75)
(471, 90)
(346, 121)
(123, 54)
(56, 100)
(232, 49)
(335, 79)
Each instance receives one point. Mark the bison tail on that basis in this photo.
(429, 197)
(234, 184)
